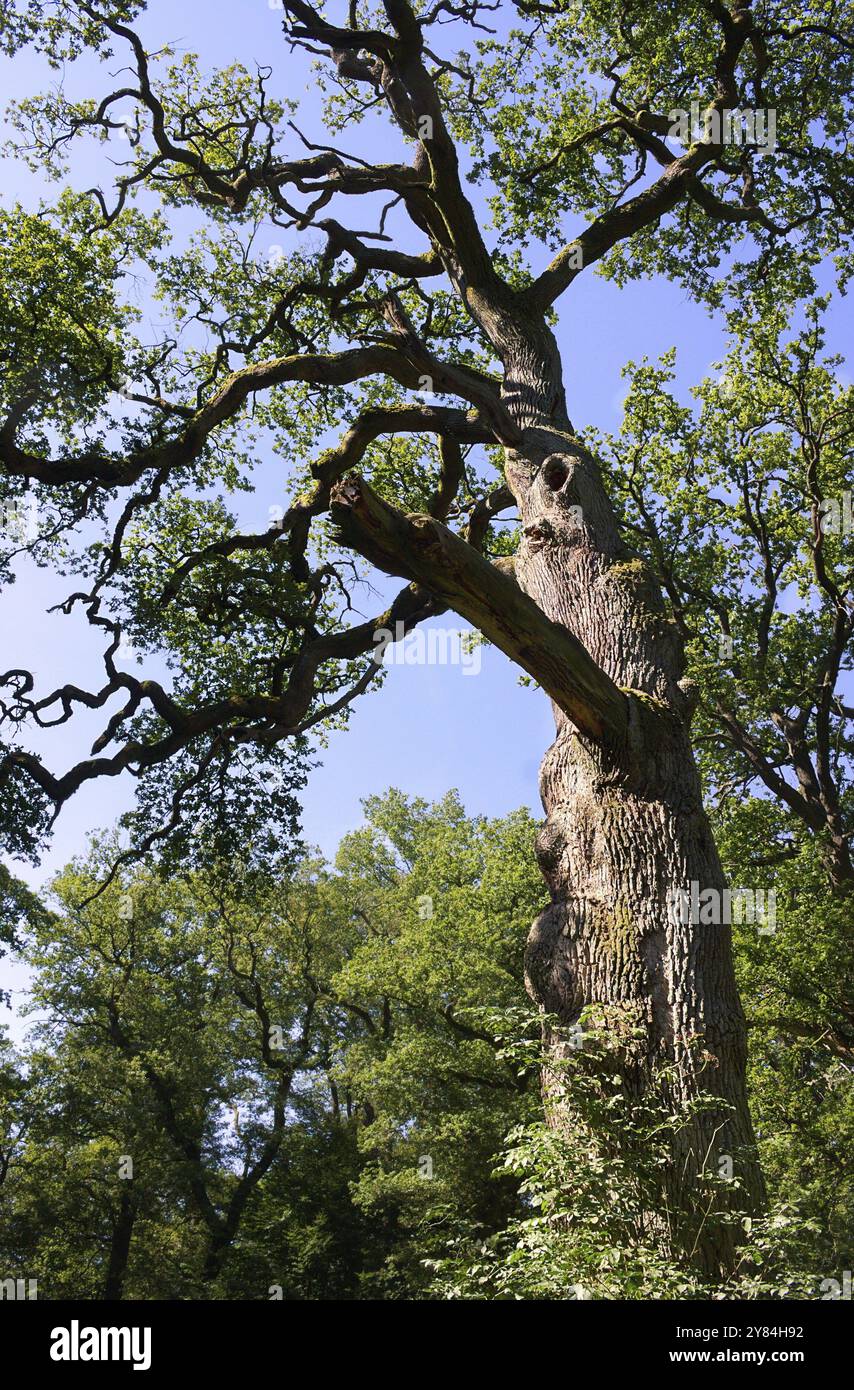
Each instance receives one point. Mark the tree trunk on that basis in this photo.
(625, 832)
(120, 1248)
(217, 1249)
(625, 828)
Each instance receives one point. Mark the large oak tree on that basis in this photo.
(395, 319)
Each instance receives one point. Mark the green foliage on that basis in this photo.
(593, 1223)
(798, 985)
(384, 975)
(414, 1162)
(64, 330)
(730, 505)
(393, 1145)
(57, 31)
(545, 133)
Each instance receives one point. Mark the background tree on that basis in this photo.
(569, 115)
(414, 1161)
(301, 1066)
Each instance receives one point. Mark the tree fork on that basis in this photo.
(420, 548)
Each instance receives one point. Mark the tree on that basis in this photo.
(204, 999)
(739, 506)
(571, 110)
(758, 483)
(145, 1149)
(759, 480)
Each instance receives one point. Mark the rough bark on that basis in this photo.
(625, 829)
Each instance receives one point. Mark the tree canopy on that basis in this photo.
(258, 1074)
(132, 444)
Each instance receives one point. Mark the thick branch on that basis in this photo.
(421, 549)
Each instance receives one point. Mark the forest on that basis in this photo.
(300, 415)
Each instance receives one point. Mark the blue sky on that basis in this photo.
(430, 727)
